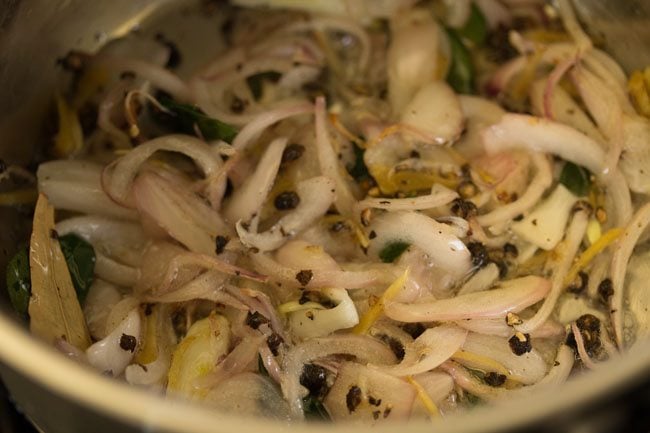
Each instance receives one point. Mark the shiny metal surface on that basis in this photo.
(62, 398)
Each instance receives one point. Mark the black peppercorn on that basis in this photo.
(520, 343)
(287, 200)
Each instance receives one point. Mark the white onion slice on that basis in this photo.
(435, 112)
(411, 64)
(545, 225)
(329, 162)
(620, 258)
(542, 180)
(316, 196)
(365, 349)
(439, 196)
(107, 355)
(101, 298)
(182, 214)
(429, 350)
(528, 368)
(511, 295)
(483, 279)
(247, 200)
(382, 397)
(312, 322)
(437, 240)
(76, 186)
(118, 177)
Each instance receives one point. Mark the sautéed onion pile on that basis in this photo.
(358, 211)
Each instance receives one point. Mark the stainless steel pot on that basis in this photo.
(61, 397)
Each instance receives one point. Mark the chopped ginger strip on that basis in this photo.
(334, 118)
(479, 362)
(69, 139)
(594, 249)
(377, 309)
(639, 88)
(424, 398)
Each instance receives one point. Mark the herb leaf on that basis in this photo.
(314, 409)
(80, 258)
(255, 82)
(461, 70)
(577, 179)
(186, 116)
(19, 283)
(392, 251)
(475, 29)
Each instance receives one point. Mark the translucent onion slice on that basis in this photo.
(437, 240)
(365, 349)
(316, 196)
(377, 397)
(436, 113)
(439, 196)
(114, 352)
(429, 350)
(118, 177)
(311, 323)
(247, 200)
(511, 295)
(528, 368)
(76, 186)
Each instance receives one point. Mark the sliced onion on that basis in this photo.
(262, 121)
(528, 368)
(249, 395)
(259, 302)
(311, 323)
(439, 196)
(479, 113)
(522, 131)
(329, 162)
(436, 113)
(302, 255)
(237, 361)
(542, 180)
(382, 397)
(511, 295)
(365, 349)
(316, 196)
(118, 177)
(429, 350)
(182, 214)
(482, 280)
(620, 258)
(571, 243)
(110, 354)
(500, 328)
(76, 186)
(101, 298)
(564, 108)
(443, 247)
(411, 64)
(545, 225)
(248, 199)
(321, 278)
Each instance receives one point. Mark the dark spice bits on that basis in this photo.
(395, 346)
(314, 378)
(128, 342)
(510, 250)
(304, 276)
(254, 320)
(580, 283)
(463, 208)
(605, 290)
(494, 379)
(287, 200)
(414, 329)
(292, 152)
(274, 341)
(479, 254)
(353, 398)
(221, 242)
(520, 343)
(589, 326)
